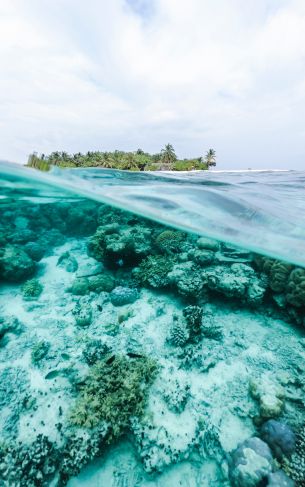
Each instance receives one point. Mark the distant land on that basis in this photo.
(165, 160)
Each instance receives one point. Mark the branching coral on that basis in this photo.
(114, 391)
(29, 465)
(32, 289)
(295, 467)
(80, 449)
(178, 334)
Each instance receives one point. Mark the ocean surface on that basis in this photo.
(152, 328)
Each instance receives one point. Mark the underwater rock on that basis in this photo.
(32, 289)
(207, 243)
(279, 479)
(202, 257)
(250, 463)
(28, 465)
(9, 324)
(176, 394)
(280, 437)
(123, 295)
(15, 264)
(153, 271)
(270, 396)
(67, 262)
(83, 314)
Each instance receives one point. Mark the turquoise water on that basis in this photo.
(159, 346)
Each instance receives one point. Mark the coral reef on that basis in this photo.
(237, 281)
(117, 246)
(115, 390)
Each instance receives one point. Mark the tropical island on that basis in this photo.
(165, 160)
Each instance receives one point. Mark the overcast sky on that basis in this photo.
(121, 74)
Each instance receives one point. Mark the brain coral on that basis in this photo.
(295, 291)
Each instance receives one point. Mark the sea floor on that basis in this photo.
(206, 399)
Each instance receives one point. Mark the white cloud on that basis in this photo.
(85, 75)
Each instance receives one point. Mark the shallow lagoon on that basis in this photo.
(134, 354)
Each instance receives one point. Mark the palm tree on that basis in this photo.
(168, 155)
(210, 158)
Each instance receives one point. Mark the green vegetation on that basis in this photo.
(115, 390)
(130, 161)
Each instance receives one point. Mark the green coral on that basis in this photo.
(39, 351)
(115, 390)
(295, 292)
(153, 271)
(32, 289)
(170, 241)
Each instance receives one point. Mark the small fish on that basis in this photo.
(134, 355)
(120, 262)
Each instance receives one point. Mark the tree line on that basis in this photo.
(131, 161)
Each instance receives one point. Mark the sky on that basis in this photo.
(126, 74)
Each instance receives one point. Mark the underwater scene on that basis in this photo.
(151, 329)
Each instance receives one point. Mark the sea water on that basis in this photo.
(151, 328)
